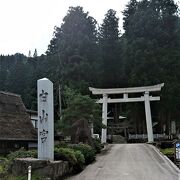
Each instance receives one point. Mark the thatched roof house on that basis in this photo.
(16, 128)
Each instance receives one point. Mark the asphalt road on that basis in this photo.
(130, 162)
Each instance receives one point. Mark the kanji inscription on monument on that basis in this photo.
(46, 120)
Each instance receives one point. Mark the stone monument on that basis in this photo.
(45, 120)
(45, 165)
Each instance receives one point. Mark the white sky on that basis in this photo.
(29, 24)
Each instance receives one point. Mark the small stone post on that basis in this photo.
(29, 172)
(45, 120)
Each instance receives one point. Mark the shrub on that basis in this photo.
(168, 151)
(97, 145)
(74, 157)
(3, 164)
(80, 161)
(66, 154)
(86, 150)
(1, 169)
(61, 144)
(11, 177)
(22, 153)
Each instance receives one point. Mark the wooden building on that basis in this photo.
(16, 128)
(34, 117)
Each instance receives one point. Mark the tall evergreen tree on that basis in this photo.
(35, 53)
(110, 50)
(128, 15)
(29, 54)
(75, 42)
(152, 49)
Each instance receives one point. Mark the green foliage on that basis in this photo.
(110, 50)
(3, 164)
(22, 153)
(61, 144)
(80, 55)
(97, 145)
(79, 107)
(69, 95)
(11, 177)
(80, 161)
(81, 30)
(168, 151)
(74, 157)
(2, 169)
(66, 154)
(75, 42)
(17, 76)
(86, 150)
(151, 52)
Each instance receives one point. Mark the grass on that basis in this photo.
(168, 151)
(1, 169)
(3, 162)
(11, 177)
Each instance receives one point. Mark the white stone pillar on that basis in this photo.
(148, 118)
(45, 119)
(104, 118)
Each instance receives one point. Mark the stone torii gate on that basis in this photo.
(125, 91)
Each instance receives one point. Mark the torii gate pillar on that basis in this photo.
(104, 118)
(148, 117)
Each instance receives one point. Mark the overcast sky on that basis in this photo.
(29, 24)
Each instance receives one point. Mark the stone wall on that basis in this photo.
(44, 168)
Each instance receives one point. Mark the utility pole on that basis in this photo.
(60, 104)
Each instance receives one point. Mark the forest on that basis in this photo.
(83, 54)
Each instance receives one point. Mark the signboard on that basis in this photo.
(177, 150)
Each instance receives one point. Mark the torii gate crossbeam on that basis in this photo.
(125, 91)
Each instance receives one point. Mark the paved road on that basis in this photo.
(130, 162)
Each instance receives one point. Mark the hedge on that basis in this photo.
(86, 150)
